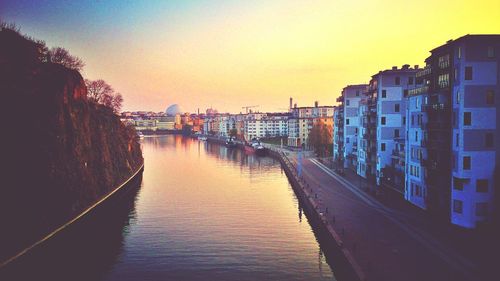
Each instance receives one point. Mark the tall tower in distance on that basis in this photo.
(291, 102)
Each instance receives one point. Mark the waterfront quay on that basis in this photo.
(379, 242)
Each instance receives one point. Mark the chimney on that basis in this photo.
(394, 68)
(416, 66)
(295, 105)
(316, 104)
(291, 102)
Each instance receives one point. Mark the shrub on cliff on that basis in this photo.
(63, 57)
(99, 91)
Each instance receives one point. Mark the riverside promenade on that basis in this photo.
(385, 243)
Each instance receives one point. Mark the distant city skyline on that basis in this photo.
(228, 54)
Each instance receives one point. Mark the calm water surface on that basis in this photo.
(203, 212)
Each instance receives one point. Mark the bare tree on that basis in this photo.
(62, 56)
(99, 91)
(117, 102)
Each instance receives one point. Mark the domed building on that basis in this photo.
(174, 109)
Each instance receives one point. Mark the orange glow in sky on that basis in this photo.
(229, 54)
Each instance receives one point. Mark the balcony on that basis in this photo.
(424, 72)
(398, 154)
(418, 91)
(436, 107)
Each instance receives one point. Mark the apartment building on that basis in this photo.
(302, 120)
(350, 101)
(461, 138)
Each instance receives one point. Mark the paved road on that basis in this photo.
(386, 242)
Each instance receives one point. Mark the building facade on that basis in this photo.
(392, 90)
(351, 97)
(302, 120)
(462, 108)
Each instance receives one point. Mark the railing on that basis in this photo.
(435, 107)
(398, 153)
(418, 91)
(71, 221)
(426, 71)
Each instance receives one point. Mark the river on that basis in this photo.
(201, 212)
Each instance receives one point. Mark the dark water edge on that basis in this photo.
(86, 249)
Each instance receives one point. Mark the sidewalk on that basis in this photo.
(388, 243)
(481, 247)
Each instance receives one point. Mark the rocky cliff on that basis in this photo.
(60, 152)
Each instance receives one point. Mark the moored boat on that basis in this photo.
(260, 150)
(230, 142)
(255, 147)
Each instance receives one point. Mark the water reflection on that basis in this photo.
(84, 251)
(204, 212)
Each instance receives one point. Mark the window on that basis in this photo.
(413, 120)
(490, 98)
(347, 102)
(396, 107)
(482, 209)
(467, 118)
(382, 120)
(384, 93)
(382, 147)
(482, 185)
(397, 80)
(468, 73)
(491, 52)
(357, 93)
(405, 93)
(444, 61)
(410, 80)
(416, 136)
(466, 163)
(396, 133)
(404, 120)
(347, 121)
(459, 52)
(457, 139)
(346, 140)
(458, 97)
(488, 140)
(458, 184)
(457, 206)
(444, 80)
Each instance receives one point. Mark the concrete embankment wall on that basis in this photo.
(346, 267)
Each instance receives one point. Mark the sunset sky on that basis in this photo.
(229, 54)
